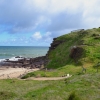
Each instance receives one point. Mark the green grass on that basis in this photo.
(59, 57)
(85, 87)
(81, 86)
(73, 96)
(4, 95)
(55, 72)
(63, 71)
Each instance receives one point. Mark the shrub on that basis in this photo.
(73, 96)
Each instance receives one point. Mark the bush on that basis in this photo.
(73, 96)
(28, 75)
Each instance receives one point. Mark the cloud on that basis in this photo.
(91, 13)
(30, 15)
(42, 38)
(47, 37)
(19, 15)
(47, 18)
(37, 36)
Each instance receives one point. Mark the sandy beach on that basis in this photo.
(9, 73)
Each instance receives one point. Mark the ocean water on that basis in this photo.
(7, 52)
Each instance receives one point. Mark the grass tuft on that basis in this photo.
(5, 95)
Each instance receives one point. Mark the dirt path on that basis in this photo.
(48, 78)
(9, 73)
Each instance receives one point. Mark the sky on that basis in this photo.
(37, 22)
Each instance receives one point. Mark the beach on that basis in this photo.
(9, 73)
(16, 61)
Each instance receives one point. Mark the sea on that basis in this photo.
(7, 52)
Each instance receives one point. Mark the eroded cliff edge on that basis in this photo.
(77, 47)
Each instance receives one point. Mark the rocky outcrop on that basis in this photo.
(37, 62)
(54, 44)
(76, 52)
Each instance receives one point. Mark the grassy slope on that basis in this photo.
(63, 64)
(60, 56)
(86, 86)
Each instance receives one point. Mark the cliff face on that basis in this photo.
(61, 54)
(54, 44)
(74, 47)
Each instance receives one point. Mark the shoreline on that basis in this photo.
(17, 68)
(10, 73)
(22, 62)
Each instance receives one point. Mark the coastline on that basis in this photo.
(9, 73)
(18, 68)
(24, 62)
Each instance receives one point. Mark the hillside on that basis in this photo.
(76, 53)
(80, 87)
(79, 47)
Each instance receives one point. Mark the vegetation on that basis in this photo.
(60, 72)
(81, 86)
(73, 96)
(89, 40)
(4, 95)
(84, 60)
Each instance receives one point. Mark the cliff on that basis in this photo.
(78, 47)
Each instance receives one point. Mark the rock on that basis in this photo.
(32, 62)
(76, 52)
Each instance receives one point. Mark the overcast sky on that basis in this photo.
(37, 22)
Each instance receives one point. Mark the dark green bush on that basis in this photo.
(73, 96)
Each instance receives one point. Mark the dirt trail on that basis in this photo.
(9, 73)
(48, 78)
